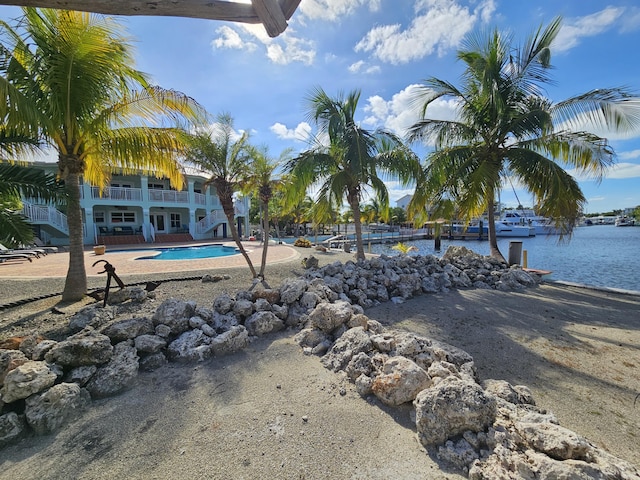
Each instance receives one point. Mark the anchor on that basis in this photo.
(110, 270)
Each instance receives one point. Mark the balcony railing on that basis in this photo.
(121, 194)
(127, 194)
(45, 214)
(201, 199)
(168, 196)
(214, 218)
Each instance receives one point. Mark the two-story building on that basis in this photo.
(139, 209)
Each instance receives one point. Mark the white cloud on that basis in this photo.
(588, 26)
(229, 38)
(333, 10)
(629, 155)
(631, 20)
(355, 67)
(300, 133)
(399, 113)
(624, 170)
(361, 67)
(439, 25)
(618, 171)
(285, 49)
(293, 50)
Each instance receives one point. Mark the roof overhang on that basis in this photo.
(273, 14)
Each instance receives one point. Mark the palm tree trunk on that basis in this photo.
(75, 286)
(227, 207)
(494, 251)
(355, 206)
(265, 229)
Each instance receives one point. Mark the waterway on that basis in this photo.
(598, 255)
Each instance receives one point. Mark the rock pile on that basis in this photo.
(490, 430)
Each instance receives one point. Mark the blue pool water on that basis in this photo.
(599, 255)
(190, 253)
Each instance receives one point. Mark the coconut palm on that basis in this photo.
(17, 181)
(353, 160)
(69, 76)
(506, 128)
(226, 156)
(261, 180)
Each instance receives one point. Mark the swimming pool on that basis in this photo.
(192, 253)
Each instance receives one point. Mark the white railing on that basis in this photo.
(172, 196)
(201, 199)
(45, 214)
(121, 194)
(214, 218)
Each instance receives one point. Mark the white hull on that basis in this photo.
(505, 230)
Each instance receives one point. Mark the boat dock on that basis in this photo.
(370, 238)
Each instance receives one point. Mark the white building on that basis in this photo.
(139, 209)
(403, 202)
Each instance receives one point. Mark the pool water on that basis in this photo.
(192, 253)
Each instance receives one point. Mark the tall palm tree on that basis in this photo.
(226, 157)
(352, 160)
(262, 182)
(69, 76)
(505, 128)
(17, 181)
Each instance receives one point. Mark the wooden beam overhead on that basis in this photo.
(273, 14)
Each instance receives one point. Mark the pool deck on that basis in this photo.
(57, 264)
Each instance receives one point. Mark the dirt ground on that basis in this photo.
(272, 412)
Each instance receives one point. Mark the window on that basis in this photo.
(175, 220)
(98, 217)
(123, 217)
(156, 186)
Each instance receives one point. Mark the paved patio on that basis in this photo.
(56, 264)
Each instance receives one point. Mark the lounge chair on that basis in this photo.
(47, 248)
(33, 253)
(14, 256)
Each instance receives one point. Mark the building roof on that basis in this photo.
(273, 14)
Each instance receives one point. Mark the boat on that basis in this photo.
(504, 229)
(526, 216)
(624, 221)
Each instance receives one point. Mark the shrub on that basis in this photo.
(302, 242)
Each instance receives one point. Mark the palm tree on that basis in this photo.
(261, 181)
(351, 161)
(226, 156)
(297, 206)
(18, 181)
(68, 76)
(505, 128)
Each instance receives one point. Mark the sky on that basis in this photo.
(385, 48)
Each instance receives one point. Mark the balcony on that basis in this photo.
(168, 196)
(119, 194)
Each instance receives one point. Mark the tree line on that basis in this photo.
(68, 82)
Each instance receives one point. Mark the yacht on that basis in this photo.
(526, 216)
(624, 221)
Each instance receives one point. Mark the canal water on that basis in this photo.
(598, 255)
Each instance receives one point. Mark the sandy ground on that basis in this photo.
(272, 412)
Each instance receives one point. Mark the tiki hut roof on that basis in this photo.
(273, 14)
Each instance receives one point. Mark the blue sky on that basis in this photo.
(383, 48)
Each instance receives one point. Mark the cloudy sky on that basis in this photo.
(385, 48)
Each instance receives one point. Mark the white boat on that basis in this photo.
(510, 230)
(526, 216)
(624, 221)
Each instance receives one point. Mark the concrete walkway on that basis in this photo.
(57, 264)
